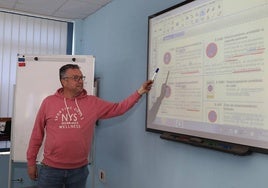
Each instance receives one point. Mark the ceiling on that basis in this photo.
(64, 9)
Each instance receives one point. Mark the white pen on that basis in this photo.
(155, 73)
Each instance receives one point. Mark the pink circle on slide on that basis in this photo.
(212, 116)
(167, 58)
(212, 50)
(210, 88)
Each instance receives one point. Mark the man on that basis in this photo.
(68, 118)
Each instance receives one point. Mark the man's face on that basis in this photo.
(73, 81)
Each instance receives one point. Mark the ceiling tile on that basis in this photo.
(71, 7)
(9, 4)
(47, 7)
(66, 9)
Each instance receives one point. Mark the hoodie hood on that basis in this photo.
(59, 93)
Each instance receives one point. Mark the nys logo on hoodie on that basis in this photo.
(69, 116)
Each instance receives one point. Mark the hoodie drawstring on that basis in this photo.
(80, 112)
(67, 108)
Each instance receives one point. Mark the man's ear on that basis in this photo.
(61, 81)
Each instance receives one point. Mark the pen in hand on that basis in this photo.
(155, 73)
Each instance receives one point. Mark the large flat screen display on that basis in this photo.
(213, 70)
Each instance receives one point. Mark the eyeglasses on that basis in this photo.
(76, 78)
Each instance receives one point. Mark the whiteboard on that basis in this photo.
(37, 77)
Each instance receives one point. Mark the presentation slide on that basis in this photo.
(212, 80)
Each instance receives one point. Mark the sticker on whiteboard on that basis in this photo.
(21, 64)
(21, 61)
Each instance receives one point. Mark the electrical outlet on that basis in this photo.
(102, 176)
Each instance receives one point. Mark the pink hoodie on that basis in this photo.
(69, 125)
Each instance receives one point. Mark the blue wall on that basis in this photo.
(130, 156)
